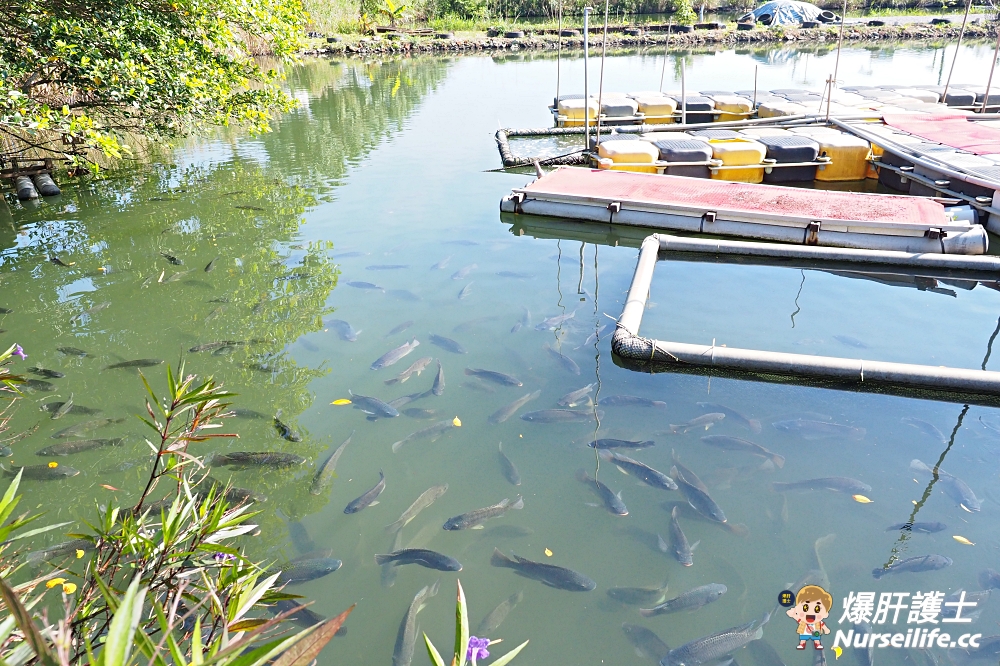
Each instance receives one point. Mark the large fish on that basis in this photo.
(699, 499)
(573, 398)
(303, 570)
(913, 564)
(447, 344)
(630, 401)
(437, 388)
(683, 550)
(78, 446)
(925, 528)
(954, 487)
(418, 366)
(399, 329)
(509, 469)
(388, 577)
(639, 470)
(551, 323)
(393, 355)
(42, 472)
(715, 646)
(525, 320)
(927, 428)
(463, 272)
(426, 498)
(736, 444)
(818, 430)
(840, 484)
(84, 427)
(638, 596)
(344, 330)
(432, 432)
(57, 407)
(495, 617)
(510, 409)
(368, 498)
(608, 443)
(548, 574)
(568, 364)
(325, 472)
(705, 421)
(646, 643)
(493, 376)
(560, 416)
(137, 363)
(753, 425)
(426, 558)
(689, 601)
(612, 501)
(473, 520)
(284, 430)
(373, 406)
(406, 637)
(358, 284)
(277, 459)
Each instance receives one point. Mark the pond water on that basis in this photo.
(383, 177)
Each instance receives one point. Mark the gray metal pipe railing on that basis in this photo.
(628, 344)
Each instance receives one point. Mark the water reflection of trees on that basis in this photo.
(240, 199)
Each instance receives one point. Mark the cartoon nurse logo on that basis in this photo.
(812, 606)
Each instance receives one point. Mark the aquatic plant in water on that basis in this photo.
(468, 648)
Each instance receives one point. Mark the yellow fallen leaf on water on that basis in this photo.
(55, 581)
(341, 401)
(548, 553)
(53, 464)
(837, 650)
(456, 422)
(79, 553)
(69, 588)
(104, 485)
(962, 539)
(861, 499)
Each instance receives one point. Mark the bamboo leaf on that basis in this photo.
(432, 652)
(31, 533)
(123, 625)
(307, 649)
(253, 597)
(243, 625)
(196, 657)
(31, 634)
(507, 658)
(461, 628)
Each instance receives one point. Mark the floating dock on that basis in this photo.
(755, 211)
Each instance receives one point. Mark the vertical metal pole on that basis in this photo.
(684, 97)
(755, 85)
(958, 47)
(559, 56)
(666, 47)
(836, 63)
(586, 90)
(993, 65)
(600, 85)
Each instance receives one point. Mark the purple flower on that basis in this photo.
(477, 648)
(19, 352)
(224, 557)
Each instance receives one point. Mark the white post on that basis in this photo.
(586, 91)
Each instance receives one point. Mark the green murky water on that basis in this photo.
(385, 165)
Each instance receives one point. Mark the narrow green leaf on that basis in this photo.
(461, 628)
(507, 658)
(196, 658)
(31, 634)
(432, 652)
(307, 649)
(123, 625)
(31, 533)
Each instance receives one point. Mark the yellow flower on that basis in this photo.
(79, 553)
(53, 464)
(55, 581)
(69, 588)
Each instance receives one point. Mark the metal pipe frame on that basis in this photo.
(956, 384)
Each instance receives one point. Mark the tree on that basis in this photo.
(98, 75)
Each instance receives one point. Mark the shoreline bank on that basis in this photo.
(479, 42)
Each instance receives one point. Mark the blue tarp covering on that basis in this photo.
(787, 12)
